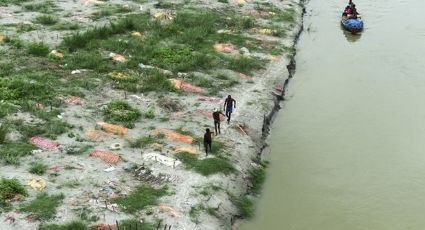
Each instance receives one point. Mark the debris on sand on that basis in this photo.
(168, 209)
(163, 16)
(225, 48)
(190, 150)
(167, 161)
(113, 129)
(110, 158)
(36, 184)
(169, 104)
(57, 54)
(117, 57)
(95, 135)
(179, 84)
(172, 135)
(74, 100)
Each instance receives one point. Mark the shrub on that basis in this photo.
(245, 206)
(38, 168)
(9, 188)
(11, 152)
(46, 20)
(38, 49)
(121, 112)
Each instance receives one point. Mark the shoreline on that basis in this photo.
(268, 119)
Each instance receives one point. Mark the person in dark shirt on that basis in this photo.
(207, 140)
(229, 104)
(216, 116)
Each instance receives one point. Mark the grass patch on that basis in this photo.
(258, 176)
(38, 49)
(136, 224)
(207, 166)
(43, 7)
(11, 152)
(4, 130)
(43, 207)
(66, 26)
(46, 20)
(142, 142)
(121, 112)
(140, 198)
(38, 168)
(244, 205)
(9, 188)
(74, 225)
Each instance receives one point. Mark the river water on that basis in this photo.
(348, 148)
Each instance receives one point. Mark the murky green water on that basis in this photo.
(348, 148)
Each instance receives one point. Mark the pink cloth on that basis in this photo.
(44, 143)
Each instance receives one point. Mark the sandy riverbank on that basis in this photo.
(194, 201)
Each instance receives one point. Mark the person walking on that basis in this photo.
(207, 140)
(216, 116)
(229, 104)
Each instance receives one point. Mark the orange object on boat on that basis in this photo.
(111, 128)
(105, 156)
(172, 135)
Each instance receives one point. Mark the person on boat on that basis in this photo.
(228, 106)
(216, 116)
(348, 11)
(207, 141)
(354, 13)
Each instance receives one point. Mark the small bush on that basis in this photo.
(38, 49)
(46, 20)
(245, 64)
(140, 198)
(38, 168)
(150, 114)
(258, 176)
(43, 207)
(135, 224)
(4, 129)
(121, 112)
(74, 225)
(9, 188)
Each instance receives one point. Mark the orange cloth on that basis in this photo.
(111, 128)
(175, 136)
(224, 47)
(105, 156)
(179, 84)
(75, 100)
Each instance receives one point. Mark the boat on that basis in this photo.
(354, 25)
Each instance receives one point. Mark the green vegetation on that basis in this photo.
(38, 168)
(140, 198)
(245, 206)
(9, 188)
(38, 49)
(78, 150)
(142, 142)
(11, 152)
(43, 207)
(150, 114)
(46, 20)
(74, 225)
(64, 25)
(15, 2)
(121, 112)
(136, 224)
(207, 166)
(43, 7)
(86, 214)
(258, 176)
(109, 10)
